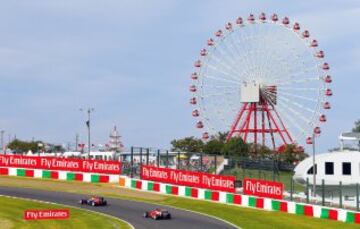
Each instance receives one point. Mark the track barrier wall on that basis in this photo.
(194, 193)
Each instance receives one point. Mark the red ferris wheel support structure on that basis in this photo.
(261, 120)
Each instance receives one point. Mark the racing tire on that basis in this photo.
(146, 214)
(168, 216)
(93, 204)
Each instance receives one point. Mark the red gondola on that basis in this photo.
(192, 88)
(314, 43)
(228, 26)
(210, 42)
(286, 21)
(274, 18)
(309, 140)
(205, 136)
(296, 26)
(194, 76)
(328, 92)
(328, 79)
(322, 118)
(306, 34)
(197, 64)
(320, 54)
(203, 52)
(317, 130)
(326, 106)
(251, 18)
(199, 124)
(195, 113)
(239, 21)
(325, 66)
(218, 33)
(299, 149)
(262, 17)
(193, 101)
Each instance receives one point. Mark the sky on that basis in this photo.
(130, 60)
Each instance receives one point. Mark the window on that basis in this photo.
(329, 168)
(310, 171)
(346, 168)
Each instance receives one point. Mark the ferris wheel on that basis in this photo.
(264, 80)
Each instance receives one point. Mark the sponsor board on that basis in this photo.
(46, 214)
(64, 164)
(263, 188)
(188, 178)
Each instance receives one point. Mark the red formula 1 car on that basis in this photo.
(94, 201)
(158, 214)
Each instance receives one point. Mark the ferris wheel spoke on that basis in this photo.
(297, 81)
(298, 105)
(225, 54)
(224, 73)
(298, 96)
(294, 123)
(215, 94)
(293, 75)
(225, 66)
(296, 113)
(222, 79)
(299, 89)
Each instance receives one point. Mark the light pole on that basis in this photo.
(89, 110)
(314, 167)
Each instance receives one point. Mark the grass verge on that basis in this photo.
(12, 211)
(240, 216)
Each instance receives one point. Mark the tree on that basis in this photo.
(291, 154)
(213, 146)
(236, 147)
(357, 126)
(220, 136)
(188, 144)
(23, 146)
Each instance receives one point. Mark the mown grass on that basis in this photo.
(12, 212)
(240, 216)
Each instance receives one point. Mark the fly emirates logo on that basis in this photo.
(263, 188)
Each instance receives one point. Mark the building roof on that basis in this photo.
(350, 136)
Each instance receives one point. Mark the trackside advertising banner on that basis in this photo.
(65, 164)
(263, 188)
(188, 178)
(46, 214)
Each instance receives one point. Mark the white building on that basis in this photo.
(334, 167)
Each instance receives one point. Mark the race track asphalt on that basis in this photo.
(129, 211)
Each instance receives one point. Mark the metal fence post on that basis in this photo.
(167, 158)
(291, 188)
(147, 156)
(158, 158)
(340, 195)
(215, 159)
(178, 160)
(307, 189)
(357, 196)
(323, 192)
(273, 178)
(131, 161)
(141, 156)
